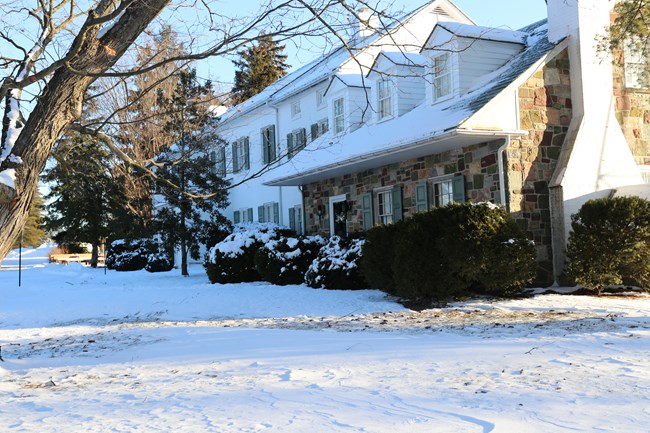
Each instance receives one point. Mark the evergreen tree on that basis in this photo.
(33, 234)
(86, 204)
(193, 192)
(259, 66)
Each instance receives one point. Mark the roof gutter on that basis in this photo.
(456, 132)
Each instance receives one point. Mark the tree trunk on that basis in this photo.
(59, 105)
(94, 257)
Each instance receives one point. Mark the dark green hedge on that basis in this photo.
(286, 260)
(610, 243)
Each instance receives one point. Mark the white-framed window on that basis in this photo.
(295, 109)
(447, 189)
(339, 115)
(442, 77)
(218, 159)
(269, 213)
(268, 144)
(338, 215)
(384, 99)
(320, 99)
(384, 200)
(241, 154)
(296, 140)
(296, 219)
(319, 128)
(243, 215)
(635, 66)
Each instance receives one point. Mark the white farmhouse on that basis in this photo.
(443, 110)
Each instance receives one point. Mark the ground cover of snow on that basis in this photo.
(88, 351)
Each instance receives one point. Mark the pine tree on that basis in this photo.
(191, 212)
(86, 204)
(260, 66)
(33, 234)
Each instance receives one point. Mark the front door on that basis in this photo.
(338, 215)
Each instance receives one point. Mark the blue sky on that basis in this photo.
(494, 13)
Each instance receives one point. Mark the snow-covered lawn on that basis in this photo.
(86, 351)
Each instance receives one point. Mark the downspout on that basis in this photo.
(502, 175)
(277, 141)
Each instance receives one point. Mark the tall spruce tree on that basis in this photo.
(85, 203)
(259, 66)
(192, 189)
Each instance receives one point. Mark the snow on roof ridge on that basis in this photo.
(483, 32)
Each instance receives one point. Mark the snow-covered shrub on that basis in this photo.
(337, 266)
(460, 249)
(610, 243)
(233, 259)
(159, 262)
(286, 260)
(129, 255)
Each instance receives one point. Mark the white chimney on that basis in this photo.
(369, 22)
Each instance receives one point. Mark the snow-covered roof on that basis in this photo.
(398, 58)
(315, 72)
(412, 134)
(486, 33)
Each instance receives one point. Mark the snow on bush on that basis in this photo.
(159, 262)
(233, 259)
(286, 260)
(337, 265)
(129, 255)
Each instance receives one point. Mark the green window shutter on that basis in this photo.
(397, 203)
(272, 153)
(265, 145)
(236, 217)
(314, 131)
(303, 138)
(235, 158)
(366, 209)
(222, 161)
(250, 214)
(290, 145)
(276, 213)
(421, 197)
(260, 214)
(292, 218)
(459, 188)
(247, 156)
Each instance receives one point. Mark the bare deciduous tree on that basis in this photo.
(44, 78)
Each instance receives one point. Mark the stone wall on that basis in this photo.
(478, 163)
(633, 113)
(545, 111)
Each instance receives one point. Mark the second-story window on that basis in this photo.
(268, 144)
(339, 116)
(320, 99)
(385, 99)
(295, 109)
(240, 155)
(296, 140)
(442, 82)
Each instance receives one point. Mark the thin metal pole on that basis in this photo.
(20, 259)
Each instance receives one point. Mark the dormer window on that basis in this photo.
(384, 99)
(442, 81)
(339, 116)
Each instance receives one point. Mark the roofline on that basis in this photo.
(309, 67)
(445, 135)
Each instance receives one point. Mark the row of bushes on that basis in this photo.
(268, 252)
(445, 252)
